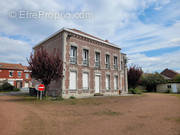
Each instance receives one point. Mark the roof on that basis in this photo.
(12, 66)
(169, 73)
(78, 32)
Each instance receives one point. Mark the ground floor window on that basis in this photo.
(85, 80)
(73, 80)
(115, 82)
(107, 82)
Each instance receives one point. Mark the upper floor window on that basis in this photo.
(107, 61)
(115, 63)
(10, 73)
(97, 59)
(85, 57)
(27, 75)
(73, 55)
(19, 73)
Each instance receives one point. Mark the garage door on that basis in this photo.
(73, 80)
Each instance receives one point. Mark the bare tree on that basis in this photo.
(45, 67)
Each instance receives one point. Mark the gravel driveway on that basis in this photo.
(150, 114)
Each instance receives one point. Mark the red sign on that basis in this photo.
(41, 87)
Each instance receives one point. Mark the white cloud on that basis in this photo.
(156, 63)
(117, 21)
(14, 51)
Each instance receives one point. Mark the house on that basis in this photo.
(91, 65)
(171, 85)
(15, 74)
(168, 74)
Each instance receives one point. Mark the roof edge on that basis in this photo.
(68, 30)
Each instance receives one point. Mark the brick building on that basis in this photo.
(15, 74)
(91, 65)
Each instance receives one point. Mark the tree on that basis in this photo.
(45, 67)
(134, 74)
(177, 78)
(150, 81)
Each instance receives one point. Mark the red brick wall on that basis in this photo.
(4, 74)
(92, 47)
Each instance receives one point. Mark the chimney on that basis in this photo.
(106, 41)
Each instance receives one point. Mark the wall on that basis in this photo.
(82, 43)
(53, 45)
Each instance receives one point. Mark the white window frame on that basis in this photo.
(20, 73)
(116, 81)
(11, 71)
(70, 81)
(85, 88)
(26, 76)
(108, 82)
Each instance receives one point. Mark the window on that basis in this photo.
(97, 59)
(19, 73)
(85, 81)
(107, 82)
(107, 61)
(115, 82)
(168, 86)
(73, 80)
(115, 63)
(27, 75)
(85, 57)
(10, 73)
(73, 55)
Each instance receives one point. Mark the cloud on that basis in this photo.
(14, 51)
(136, 26)
(157, 63)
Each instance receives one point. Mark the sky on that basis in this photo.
(148, 31)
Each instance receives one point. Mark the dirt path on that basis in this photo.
(151, 114)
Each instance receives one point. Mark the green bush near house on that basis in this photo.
(71, 97)
(8, 87)
(135, 91)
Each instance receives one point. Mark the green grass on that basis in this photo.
(177, 95)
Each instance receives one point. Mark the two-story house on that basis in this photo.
(15, 74)
(91, 65)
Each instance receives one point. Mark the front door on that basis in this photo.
(97, 82)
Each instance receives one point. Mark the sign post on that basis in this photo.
(41, 88)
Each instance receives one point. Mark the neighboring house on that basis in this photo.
(171, 85)
(91, 65)
(15, 74)
(168, 74)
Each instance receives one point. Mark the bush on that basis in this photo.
(7, 86)
(16, 89)
(169, 91)
(72, 97)
(135, 91)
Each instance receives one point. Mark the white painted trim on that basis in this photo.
(68, 30)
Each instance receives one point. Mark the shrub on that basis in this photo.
(16, 89)
(7, 86)
(135, 91)
(168, 91)
(72, 97)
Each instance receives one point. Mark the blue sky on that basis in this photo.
(148, 31)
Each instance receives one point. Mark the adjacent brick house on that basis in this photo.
(91, 65)
(15, 74)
